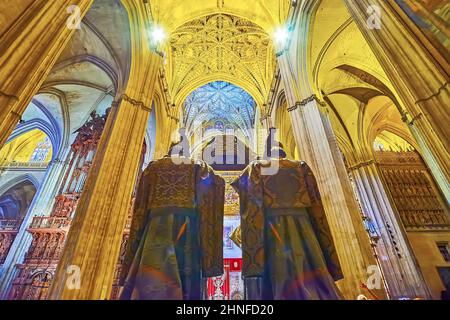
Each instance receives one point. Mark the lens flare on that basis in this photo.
(281, 36)
(158, 35)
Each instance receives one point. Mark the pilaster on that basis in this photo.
(400, 269)
(344, 218)
(95, 236)
(419, 76)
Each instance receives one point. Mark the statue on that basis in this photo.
(287, 248)
(176, 230)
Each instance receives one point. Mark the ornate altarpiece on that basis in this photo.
(230, 285)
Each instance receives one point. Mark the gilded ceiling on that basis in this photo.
(220, 47)
(173, 13)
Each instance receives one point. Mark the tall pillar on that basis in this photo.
(41, 205)
(403, 277)
(30, 48)
(95, 237)
(343, 215)
(400, 269)
(419, 76)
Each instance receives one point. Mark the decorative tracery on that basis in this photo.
(219, 46)
(42, 150)
(219, 106)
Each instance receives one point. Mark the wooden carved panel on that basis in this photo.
(414, 192)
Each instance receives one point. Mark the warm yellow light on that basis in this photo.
(281, 36)
(157, 35)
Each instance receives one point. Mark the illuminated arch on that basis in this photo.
(220, 105)
(23, 148)
(386, 140)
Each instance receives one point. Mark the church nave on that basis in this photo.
(347, 101)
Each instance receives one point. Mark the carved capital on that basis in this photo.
(264, 117)
(304, 102)
(174, 118)
(361, 165)
(136, 103)
(414, 119)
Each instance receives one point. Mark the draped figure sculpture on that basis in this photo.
(176, 233)
(287, 248)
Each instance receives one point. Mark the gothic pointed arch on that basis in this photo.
(218, 108)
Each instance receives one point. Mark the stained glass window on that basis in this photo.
(219, 106)
(41, 151)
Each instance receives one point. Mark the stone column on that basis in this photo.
(343, 215)
(262, 126)
(41, 205)
(419, 76)
(30, 47)
(94, 240)
(401, 271)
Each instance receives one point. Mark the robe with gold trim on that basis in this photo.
(176, 231)
(287, 248)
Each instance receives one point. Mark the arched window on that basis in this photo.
(41, 151)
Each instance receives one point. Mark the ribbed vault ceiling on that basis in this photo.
(219, 104)
(220, 47)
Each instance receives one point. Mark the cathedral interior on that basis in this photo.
(93, 91)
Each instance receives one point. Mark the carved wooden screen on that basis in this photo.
(414, 192)
(35, 274)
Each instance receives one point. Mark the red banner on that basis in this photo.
(229, 286)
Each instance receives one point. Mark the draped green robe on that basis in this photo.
(287, 248)
(176, 232)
